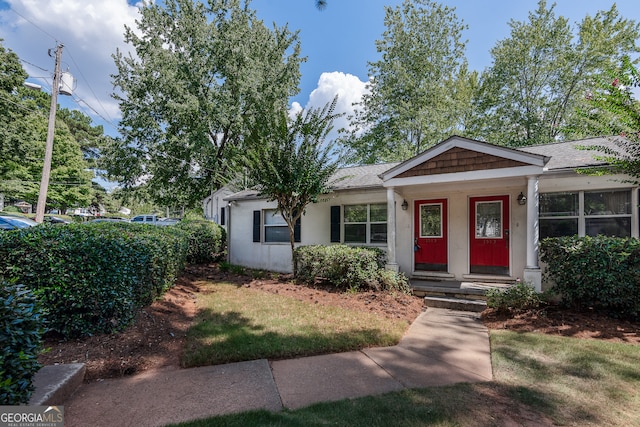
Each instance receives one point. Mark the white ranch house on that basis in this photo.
(462, 210)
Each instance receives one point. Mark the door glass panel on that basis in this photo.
(431, 220)
(489, 220)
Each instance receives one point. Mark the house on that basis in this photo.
(462, 210)
(215, 206)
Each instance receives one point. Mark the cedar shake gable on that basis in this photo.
(459, 159)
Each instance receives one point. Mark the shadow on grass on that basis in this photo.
(485, 404)
(217, 338)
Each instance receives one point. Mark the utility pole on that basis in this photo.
(48, 153)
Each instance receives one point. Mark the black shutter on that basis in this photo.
(256, 226)
(223, 210)
(296, 230)
(335, 224)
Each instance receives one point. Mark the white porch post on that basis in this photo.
(392, 264)
(532, 272)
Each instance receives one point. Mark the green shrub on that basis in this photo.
(600, 272)
(207, 241)
(518, 297)
(347, 267)
(93, 277)
(21, 329)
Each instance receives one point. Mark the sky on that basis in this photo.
(338, 41)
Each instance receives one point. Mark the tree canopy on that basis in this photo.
(414, 98)
(291, 162)
(23, 132)
(202, 76)
(541, 73)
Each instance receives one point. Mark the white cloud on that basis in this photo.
(349, 89)
(90, 30)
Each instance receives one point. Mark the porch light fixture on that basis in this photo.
(405, 205)
(522, 199)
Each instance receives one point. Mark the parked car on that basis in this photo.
(109, 220)
(14, 222)
(153, 219)
(50, 219)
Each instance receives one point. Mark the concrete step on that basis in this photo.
(56, 383)
(460, 304)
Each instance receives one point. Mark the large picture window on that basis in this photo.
(605, 212)
(365, 223)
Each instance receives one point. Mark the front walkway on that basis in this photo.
(441, 347)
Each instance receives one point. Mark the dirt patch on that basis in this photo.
(157, 337)
(555, 320)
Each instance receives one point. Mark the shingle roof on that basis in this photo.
(360, 176)
(564, 155)
(570, 154)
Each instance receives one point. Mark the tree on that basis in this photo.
(291, 163)
(611, 110)
(23, 130)
(411, 103)
(201, 78)
(540, 73)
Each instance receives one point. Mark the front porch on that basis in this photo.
(455, 294)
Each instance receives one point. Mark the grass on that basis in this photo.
(238, 323)
(538, 380)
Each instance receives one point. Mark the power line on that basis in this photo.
(33, 23)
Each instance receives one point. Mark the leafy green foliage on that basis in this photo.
(348, 268)
(541, 73)
(21, 329)
(207, 241)
(595, 272)
(518, 297)
(203, 73)
(93, 277)
(291, 163)
(415, 99)
(23, 132)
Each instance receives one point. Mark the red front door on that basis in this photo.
(489, 235)
(430, 235)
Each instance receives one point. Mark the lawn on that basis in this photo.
(237, 323)
(539, 380)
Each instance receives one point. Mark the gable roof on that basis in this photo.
(460, 159)
(484, 160)
(574, 154)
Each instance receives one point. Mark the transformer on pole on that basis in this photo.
(48, 153)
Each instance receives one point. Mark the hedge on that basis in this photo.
(348, 268)
(601, 273)
(207, 241)
(21, 329)
(92, 278)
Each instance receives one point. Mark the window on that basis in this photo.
(558, 214)
(365, 223)
(275, 227)
(604, 212)
(270, 227)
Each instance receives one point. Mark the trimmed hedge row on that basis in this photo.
(207, 241)
(91, 278)
(600, 272)
(21, 329)
(348, 268)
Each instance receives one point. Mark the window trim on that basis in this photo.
(582, 217)
(368, 223)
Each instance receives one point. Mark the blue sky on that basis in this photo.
(338, 41)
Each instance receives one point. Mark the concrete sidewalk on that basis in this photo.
(441, 347)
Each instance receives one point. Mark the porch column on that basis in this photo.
(391, 230)
(532, 272)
